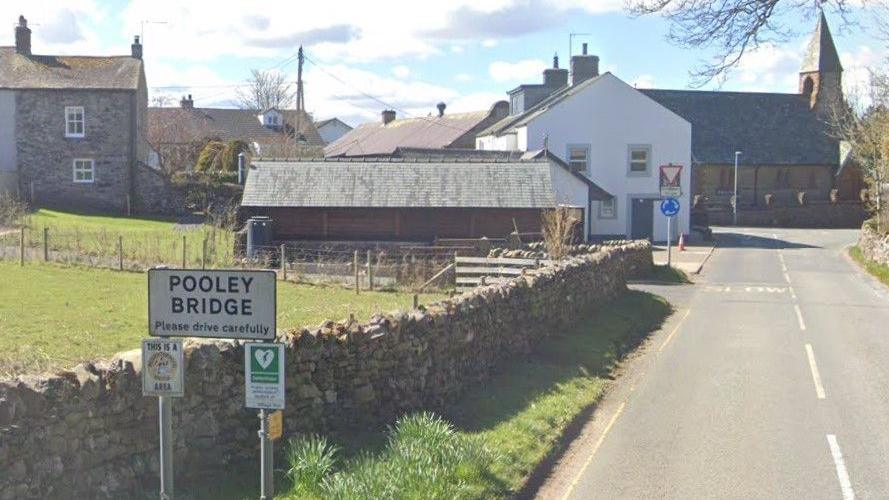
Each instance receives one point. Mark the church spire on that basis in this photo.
(821, 54)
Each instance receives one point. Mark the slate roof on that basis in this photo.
(423, 132)
(510, 123)
(770, 129)
(821, 53)
(18, 71)
(400, 184)
(232, 124)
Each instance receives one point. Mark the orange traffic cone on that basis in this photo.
(681, 242)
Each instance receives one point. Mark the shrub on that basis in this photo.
(559, 228)
(311, 460)
(210, 159)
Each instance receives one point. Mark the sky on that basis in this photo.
(364, 56)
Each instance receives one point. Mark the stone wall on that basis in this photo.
(90, 433)
(813, 214)
(874, 245)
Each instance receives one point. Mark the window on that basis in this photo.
(578, 157)
(639, 159)
(74, 121)
(84, 171)
(608, 209)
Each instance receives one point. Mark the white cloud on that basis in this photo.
(463, 77)
(401, 71)
(857, 66)
(489, 42)
(769, 68)
(524, 70)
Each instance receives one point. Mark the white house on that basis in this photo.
(332, 129)
(616, 136)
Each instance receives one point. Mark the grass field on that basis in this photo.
(146, 241)
(490, 442)
(54, 317)
(877, 270)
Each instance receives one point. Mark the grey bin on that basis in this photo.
(259, 235)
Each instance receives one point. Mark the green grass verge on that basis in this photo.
(877, 270)
(54, 317)
(496, 435)
(122, 224)
(667, 274)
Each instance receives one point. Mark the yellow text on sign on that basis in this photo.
(276, 425)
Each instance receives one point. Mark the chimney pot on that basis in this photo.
(186, 102)
(23, 37)
(556, 61)
(584, 48)
(136, 48)
(441, 108)
(388, 116)
(584, 67)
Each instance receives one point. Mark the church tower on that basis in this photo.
(821, 75)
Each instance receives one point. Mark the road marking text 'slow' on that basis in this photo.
(816, 376)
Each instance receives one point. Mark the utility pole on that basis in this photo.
(300, 97)
(736, 203)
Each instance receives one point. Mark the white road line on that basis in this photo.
(819, 389)
(799, 317)
(792, 293)
(786, 277)
(842, 473)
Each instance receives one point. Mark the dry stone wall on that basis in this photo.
(873, 244)
(89, 433)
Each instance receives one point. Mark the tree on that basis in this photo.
(559, 226)
(173, 140)
(211, 157)
(734, 27)
(862, 121)
(264, 90)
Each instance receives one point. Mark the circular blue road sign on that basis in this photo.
(670, 207)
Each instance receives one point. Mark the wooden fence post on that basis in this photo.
(283, 262)
(22, 248)
(120, 253)
(355, 266)
(45, 244)
(370, 271)
(183, 252)
(204, 254)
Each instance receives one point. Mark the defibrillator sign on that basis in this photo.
(211, 303)
(163, 367)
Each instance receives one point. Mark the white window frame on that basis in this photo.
(586, 160)
(75, 169)
(69, 122)
(639, 147)
(603, 214)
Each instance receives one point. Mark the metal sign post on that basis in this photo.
(163, 375)
(669, 207)
(264, 380)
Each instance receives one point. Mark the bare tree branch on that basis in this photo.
(266, 89)
(734, 27)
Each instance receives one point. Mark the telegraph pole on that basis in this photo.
(300, 97)
(736, 203)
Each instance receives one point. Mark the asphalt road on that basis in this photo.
(772, 381)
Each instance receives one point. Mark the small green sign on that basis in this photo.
(264, 375)
(264, 365)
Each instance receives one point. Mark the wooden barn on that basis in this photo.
(412, 200)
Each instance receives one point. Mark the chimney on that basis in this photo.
(136, 48)
(584, 67)
(23, 37)
(186, 102)
(441, 107)
(555, 78)
(388, 116)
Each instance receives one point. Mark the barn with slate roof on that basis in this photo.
(413, 200)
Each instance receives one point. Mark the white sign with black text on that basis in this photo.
(211, 303)
(163, 368)
(264, 375)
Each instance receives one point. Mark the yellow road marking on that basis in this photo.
(675, 329)
(589, 459)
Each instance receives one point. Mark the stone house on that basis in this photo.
(443, 130)
(785, 140)
(72, 128)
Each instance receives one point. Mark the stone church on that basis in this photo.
(784, 139)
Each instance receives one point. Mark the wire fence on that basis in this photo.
(207, 247)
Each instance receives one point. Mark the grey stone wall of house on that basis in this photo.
(46, 155)
(89, 432)
(8, 171)
(813, 214)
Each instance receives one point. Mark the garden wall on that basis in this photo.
(846, 214)
(89, 433)
(874, 245)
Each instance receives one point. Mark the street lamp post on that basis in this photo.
(735, 204)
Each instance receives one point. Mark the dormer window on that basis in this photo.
(75, 121)
(271, 119)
